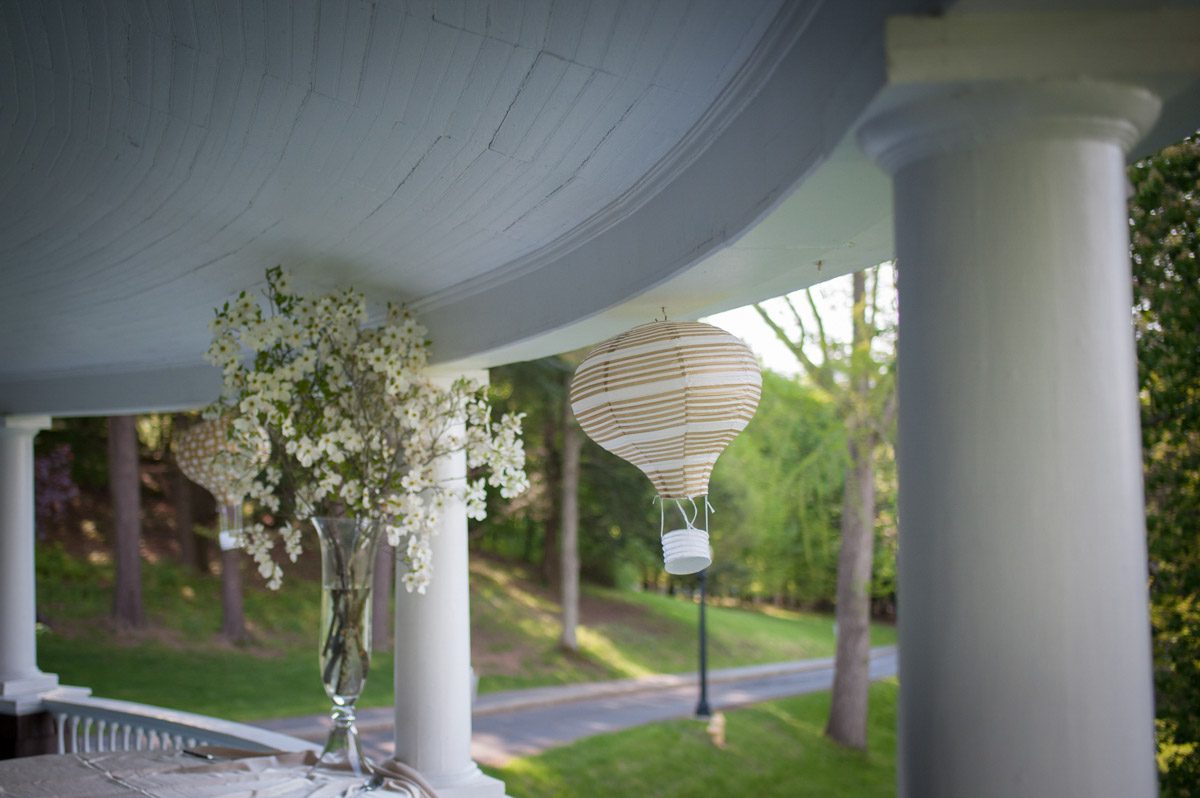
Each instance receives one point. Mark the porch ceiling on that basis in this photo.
(529, 176)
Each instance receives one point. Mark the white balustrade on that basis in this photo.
(85, 724)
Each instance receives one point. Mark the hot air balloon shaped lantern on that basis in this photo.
(669, 396)
(206, 455)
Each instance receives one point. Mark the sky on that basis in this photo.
(745, 324)
(833, 302)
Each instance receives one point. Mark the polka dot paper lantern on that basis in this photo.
(196, 452)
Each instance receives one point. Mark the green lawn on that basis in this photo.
(222, 681)
(774, 749)
(177, 662)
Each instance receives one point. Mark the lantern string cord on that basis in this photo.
(689, 523)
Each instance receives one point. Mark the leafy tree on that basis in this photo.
(536, 388)
(54, 488)
(618, 518)
(86, 438)
(1165, 232)
(540, 390)
(618, 523)
(777, 489)
(860, 381)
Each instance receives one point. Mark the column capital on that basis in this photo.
(1141, 44)
(956, 117)
(29, 425)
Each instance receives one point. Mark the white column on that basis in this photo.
(433, 659)
(20, 679)
(1024, 630)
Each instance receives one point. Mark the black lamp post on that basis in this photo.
(702, 710)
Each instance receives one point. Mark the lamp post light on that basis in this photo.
(702, 709)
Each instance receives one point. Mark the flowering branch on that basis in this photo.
(352, 423)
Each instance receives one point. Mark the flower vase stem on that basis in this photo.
(348, 549)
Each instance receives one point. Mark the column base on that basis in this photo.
(23, 696)
(472, 784)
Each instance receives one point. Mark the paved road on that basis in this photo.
(525, 722)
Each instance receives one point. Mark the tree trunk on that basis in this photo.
(203, 506)
(381, 598)
(569, 540)
(551, 558)
(233, 616)
(527, 549)
(181, 494)
(125, 486)
(851, 680)
(848, 712)
(185, 520)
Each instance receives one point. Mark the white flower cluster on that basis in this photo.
(351, 423)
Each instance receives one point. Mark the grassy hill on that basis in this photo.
(177, 661)
(624, 634)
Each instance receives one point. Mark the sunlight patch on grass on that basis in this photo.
(596, 644)
(513, 591)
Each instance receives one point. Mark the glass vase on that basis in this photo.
(348, 547)
(230, 517)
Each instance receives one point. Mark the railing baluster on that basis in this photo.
(88, 724)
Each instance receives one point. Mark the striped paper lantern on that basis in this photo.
(668, 396)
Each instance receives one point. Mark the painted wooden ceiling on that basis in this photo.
(157, 156)
(529, 175)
